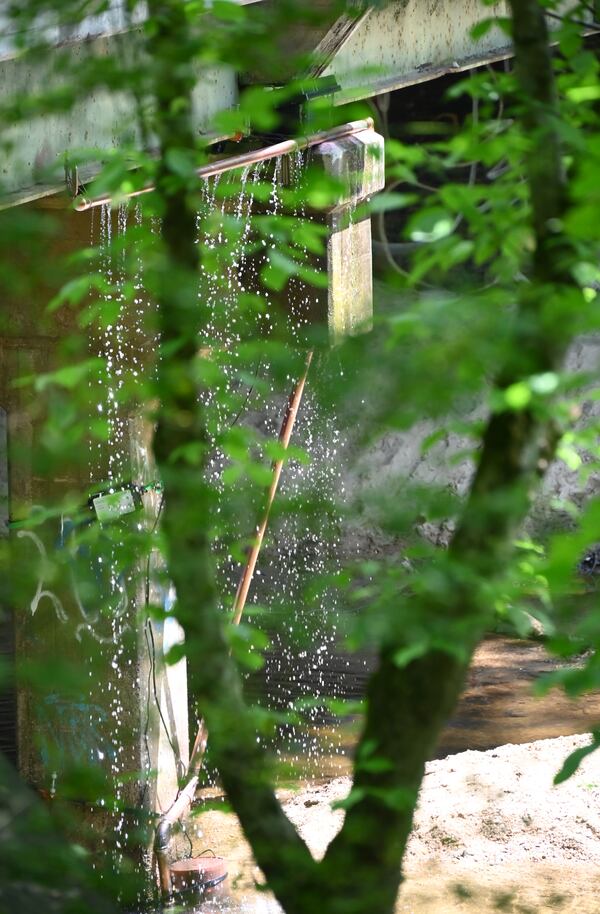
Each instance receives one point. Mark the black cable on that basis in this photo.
(157, 700)
(147, 724)
(186, 833)
(248, 395)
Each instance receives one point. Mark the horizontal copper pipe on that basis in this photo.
(248, 158)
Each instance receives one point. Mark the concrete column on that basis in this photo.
(345, 305)
(357, 163)
(129, 716)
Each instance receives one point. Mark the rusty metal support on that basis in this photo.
(247, 158)
(186, 796)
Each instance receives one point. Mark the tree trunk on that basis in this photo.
(407, 705)
(212, 675)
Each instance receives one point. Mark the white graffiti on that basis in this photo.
(91, 620)
(41, 593)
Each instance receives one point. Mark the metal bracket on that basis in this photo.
(72, 179)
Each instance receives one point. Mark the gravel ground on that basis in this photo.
(491, 833)
(485, 808)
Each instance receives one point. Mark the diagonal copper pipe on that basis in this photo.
(285, 434)
(287, 427)
(186, 796)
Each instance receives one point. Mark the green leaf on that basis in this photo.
(355, 796)
(431, 225)
(569, 456)
(175, 654)
(384, 202)
(482, 28)
(431, 440)
(277, 272)
(74, 291)
(260, 473)
(584, 93)
(182, 162)
(232, 473)
(545, 383)
(376, 765)
(70, 376)
(275, 450)
(103, 312)
(228, 10)
(192, 452)
(411, 652)
(573, 761)
(518, 395)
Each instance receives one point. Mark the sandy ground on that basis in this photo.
(491, 834)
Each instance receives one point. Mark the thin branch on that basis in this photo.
(591, 24)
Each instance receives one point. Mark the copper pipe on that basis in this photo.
(287, 427)
(162, 836)
(247, 158)
(184, 800)
(199, 748)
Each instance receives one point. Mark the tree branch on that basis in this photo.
(592, 24)
(213, 677)
(408, 706)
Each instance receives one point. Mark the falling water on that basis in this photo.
(252, 394)
(297, 551)
(119, 339)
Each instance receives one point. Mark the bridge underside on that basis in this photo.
(405, 42)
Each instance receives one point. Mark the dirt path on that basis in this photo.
(497, 706)
(491, 834)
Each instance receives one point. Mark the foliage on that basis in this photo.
(469, 345)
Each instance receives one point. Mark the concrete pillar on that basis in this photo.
(345, 305)
(357, 163)
(129, 714)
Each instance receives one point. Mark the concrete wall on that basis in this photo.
(46, 28)
(396, 460)
(100, 120)
(114, 19)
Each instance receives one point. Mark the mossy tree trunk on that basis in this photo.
(407, 704)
